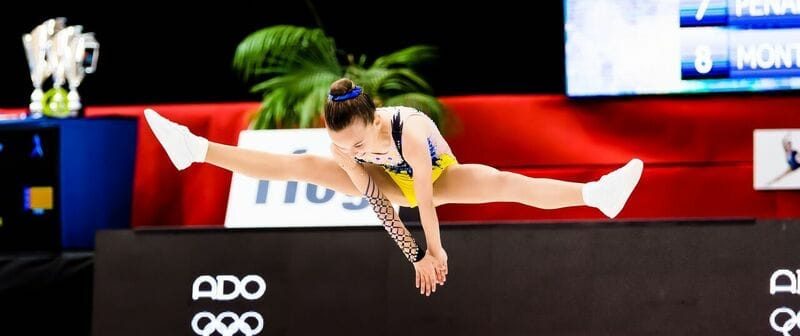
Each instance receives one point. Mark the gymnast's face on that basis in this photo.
(359, 137)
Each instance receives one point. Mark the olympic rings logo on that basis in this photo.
(236, 324)
(789, 324)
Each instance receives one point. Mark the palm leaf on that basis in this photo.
(399, 81)
(296, 97)
(408, 57)
(296, 66)
(284, 47)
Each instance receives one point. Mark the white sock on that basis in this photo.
(611, 192)
(182, 147)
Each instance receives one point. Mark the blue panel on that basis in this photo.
(97, 161)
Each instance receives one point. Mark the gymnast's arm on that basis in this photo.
(380, 205)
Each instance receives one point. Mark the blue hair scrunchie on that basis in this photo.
(347, 96)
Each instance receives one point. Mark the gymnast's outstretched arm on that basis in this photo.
(424, 266)
(380, 205)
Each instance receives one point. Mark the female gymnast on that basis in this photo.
(396, 155)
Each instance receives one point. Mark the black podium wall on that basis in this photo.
(678, 278)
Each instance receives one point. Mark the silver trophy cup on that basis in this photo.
(65, 53)
(36, 44)
(84, 51)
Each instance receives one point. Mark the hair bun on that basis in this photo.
(341, 86)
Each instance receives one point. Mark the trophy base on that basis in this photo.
(35, 110)
(55, 103)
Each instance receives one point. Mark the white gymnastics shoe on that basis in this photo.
(610, 193)
(182, 147)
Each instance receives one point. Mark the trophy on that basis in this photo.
(84, 51)
(60, 58)
(36, 45)
(65, 53)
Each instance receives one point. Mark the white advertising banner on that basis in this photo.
(261, 203)
(776, 159)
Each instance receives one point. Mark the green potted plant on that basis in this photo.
(293, 68)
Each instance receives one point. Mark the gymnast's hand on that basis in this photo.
(441, 267)
(426, 274)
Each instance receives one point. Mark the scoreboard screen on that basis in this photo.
(630, 47)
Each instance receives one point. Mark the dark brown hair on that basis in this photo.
(340, 114)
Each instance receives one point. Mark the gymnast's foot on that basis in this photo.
(182, 147)
(610, 193)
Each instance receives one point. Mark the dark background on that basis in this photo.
(151, 54)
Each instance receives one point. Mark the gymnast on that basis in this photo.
(397, 155)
